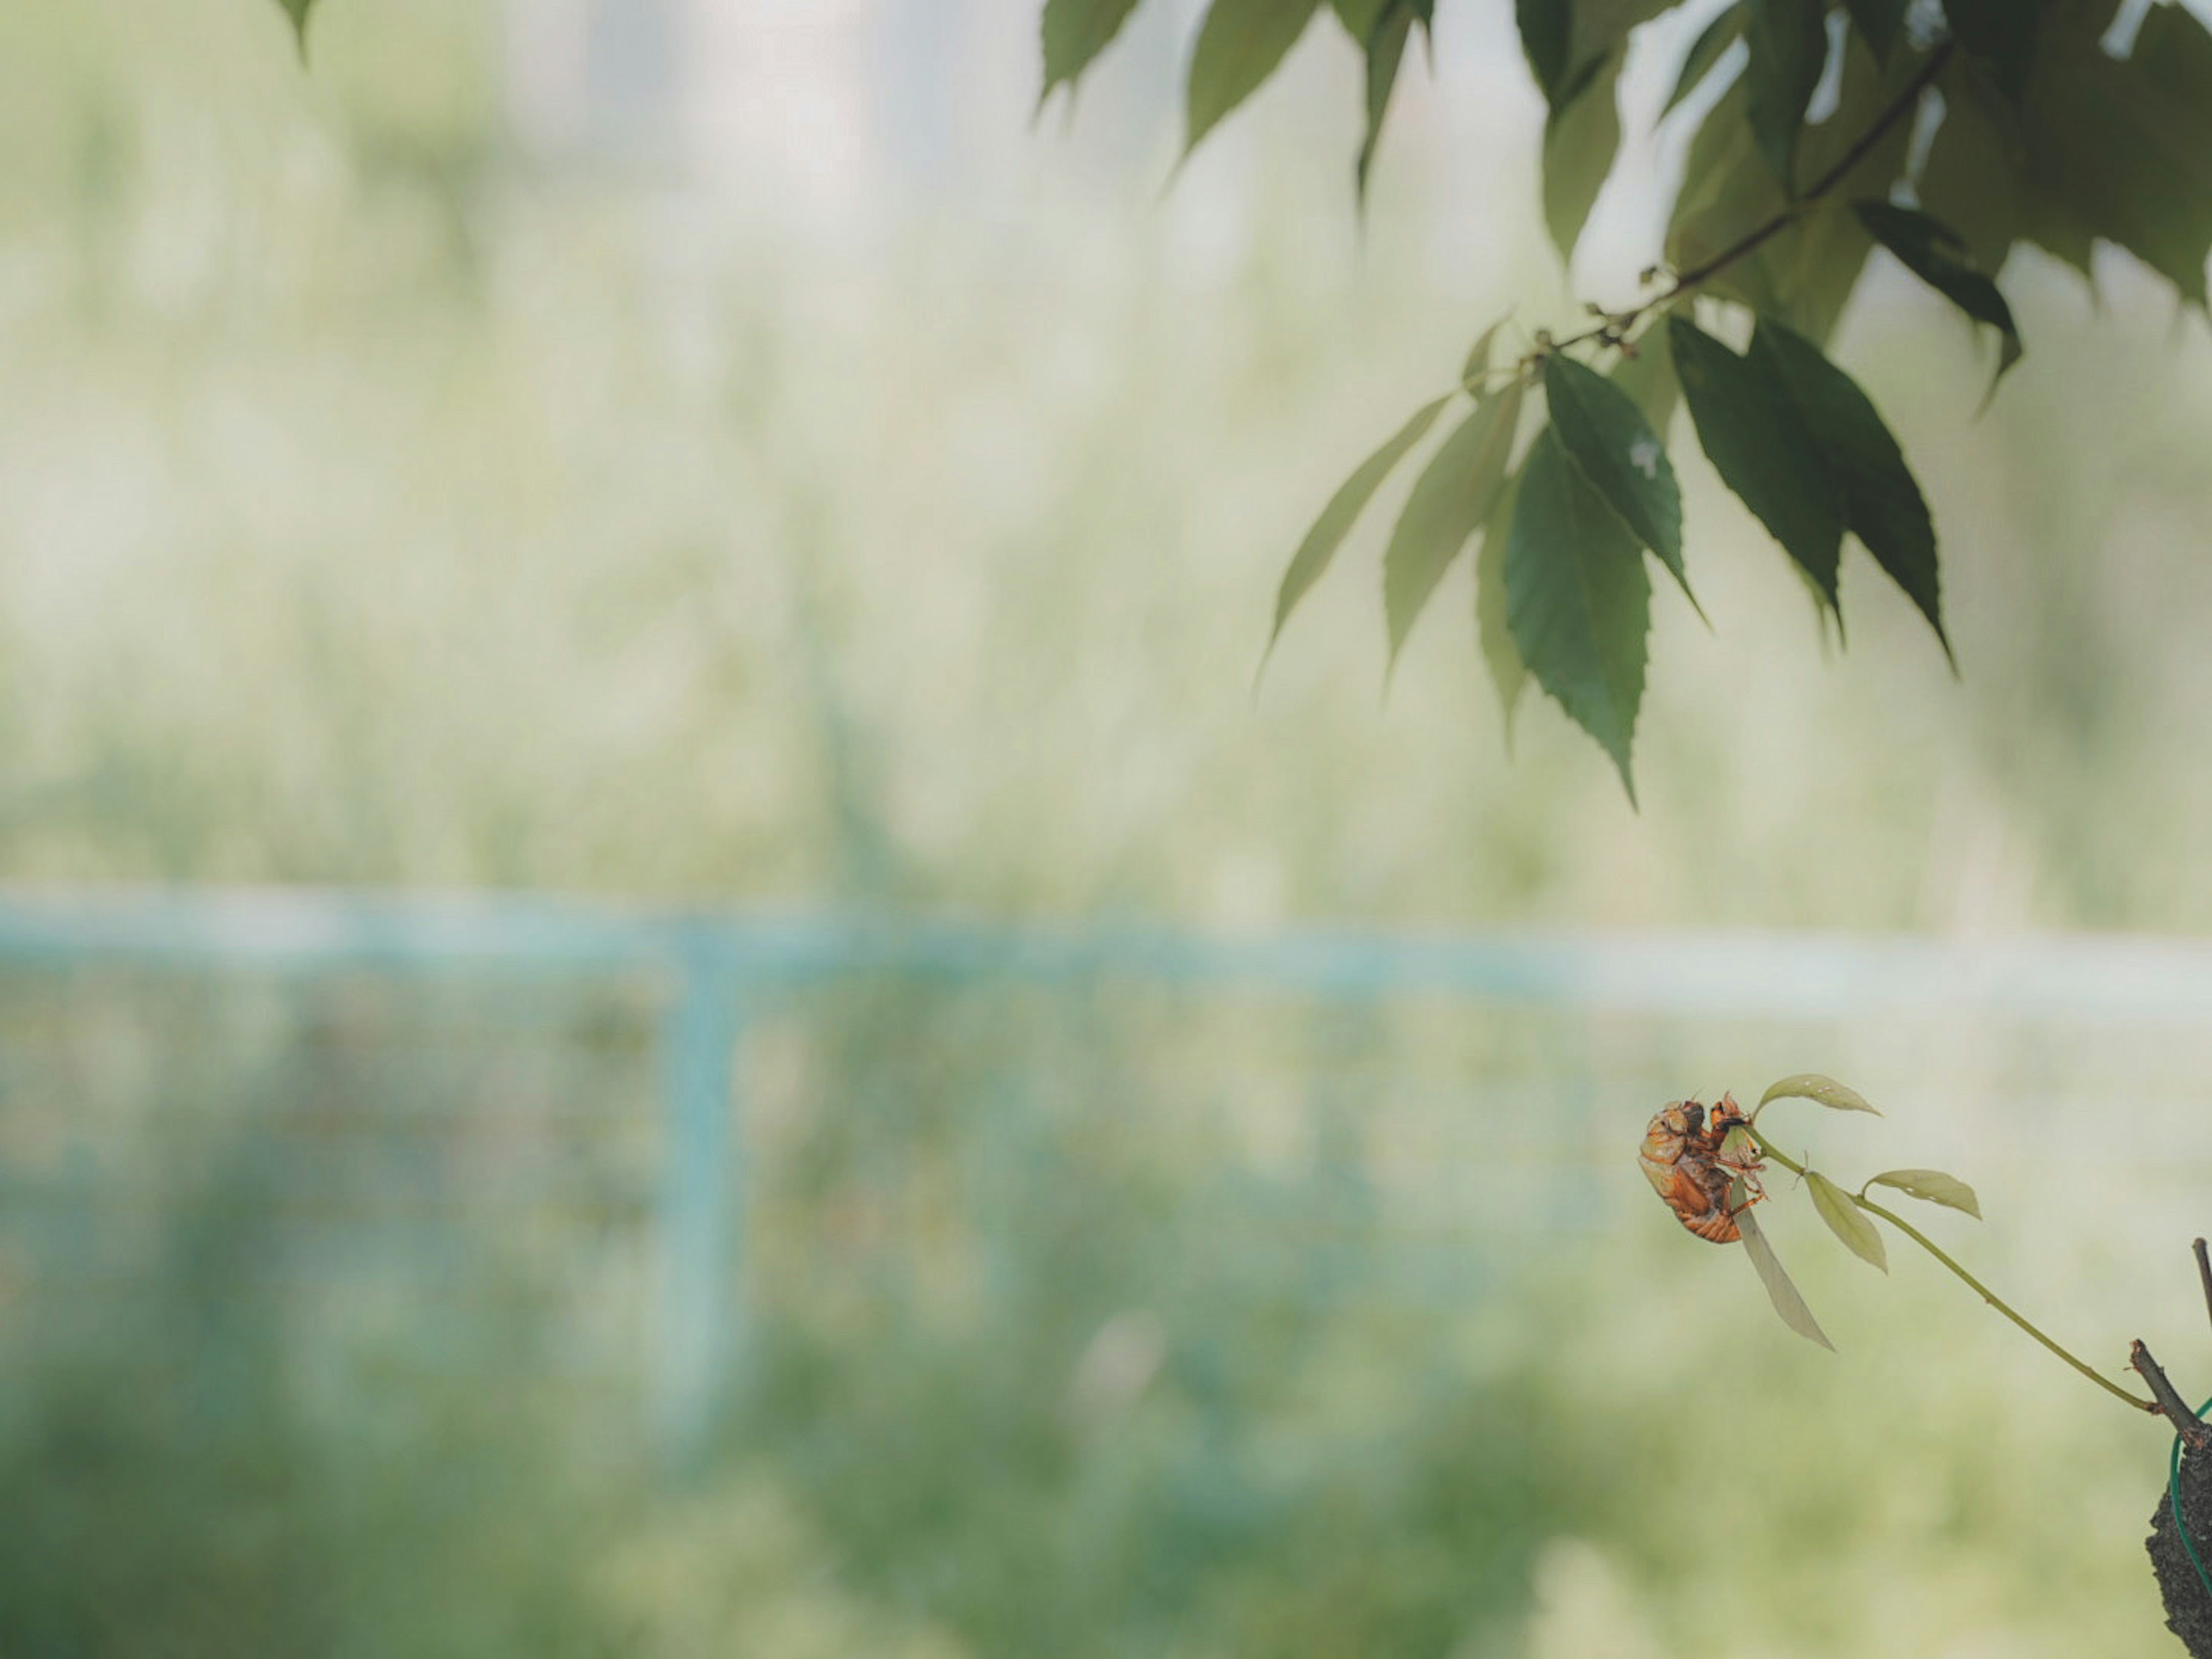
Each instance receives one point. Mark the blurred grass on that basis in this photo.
(384, 502)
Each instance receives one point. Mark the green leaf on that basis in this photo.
(1977, 179)
(1934, 1186)
(1804, 273)
(1508, 673)
(2001, 32)
(1473, 372)
(298, 11)
(1820, 1090)
(1546, 27)
(1648, 379)
(1605, 434)
(1577, 599)
(1386, 51)
(1453, 494)
(1934, 252)
(1581, 135)
(1780, 1290)
(1789, 42)
(1882, 503)
(1359, 17)
(1718, 36)
(1878, 21)
(1759, 444)
(1075, 32)
(1343, 507)
(2126, 144)
(1846, 1220)
(1240, 45)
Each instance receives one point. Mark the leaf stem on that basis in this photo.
(1767, 1149)
(1616, 326)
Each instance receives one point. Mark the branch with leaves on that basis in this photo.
(1847, 1213)
(1559, 473)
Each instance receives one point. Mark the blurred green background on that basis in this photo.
(725, 459)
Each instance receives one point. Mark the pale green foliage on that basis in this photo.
(1820, 1090)
(1845, 1220)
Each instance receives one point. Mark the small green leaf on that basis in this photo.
(1934, 252)
(1846, 1220)
(1780, 1290)
(1495, 634)
(1577, 599)
(1758, 443)
(1240, 45)
(1789, 42)
(1934, 1186)
(1581, 135)
(1473, 372)
(1718, 36)
(1075, 32)
(1453, 494)
(1605, 436)
(1343, 507)
(1882, 503)
(1820, 1090)
(1385, 46)
(1546, 27)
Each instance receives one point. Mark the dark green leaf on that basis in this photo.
(1779, 1290)
(1607, 436)
(1882, 503)
(2003, 33)
(1718, 36)
(1846, 1220)
(1500, 654)
(1789, 42)
(1581, 138)
(1935, 253)
(1546, 27)
(1758, 442)
(1817, 1087)
(1386, 51)
(1075, 32)
(1878, 21)
(1336, 520)
(1577, 599)
(1240, 45)
(1934, 1186)
(1453, 494)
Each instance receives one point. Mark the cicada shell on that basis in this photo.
(1691, 1164)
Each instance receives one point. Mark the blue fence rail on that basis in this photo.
(710, 977)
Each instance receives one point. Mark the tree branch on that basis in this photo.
(2194, 1432)
(1617, 326)
(1767, 1149)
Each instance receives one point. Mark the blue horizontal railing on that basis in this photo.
(712, 970)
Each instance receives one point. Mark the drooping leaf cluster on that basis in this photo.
(2044, 130)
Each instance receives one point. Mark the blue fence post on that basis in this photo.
(698, 1322)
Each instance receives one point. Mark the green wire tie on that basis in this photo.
(2180, 1524)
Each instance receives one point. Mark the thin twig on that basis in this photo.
(2204, 1272)
(2194, 1432)
(1766, 1147)
(1616, 327)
